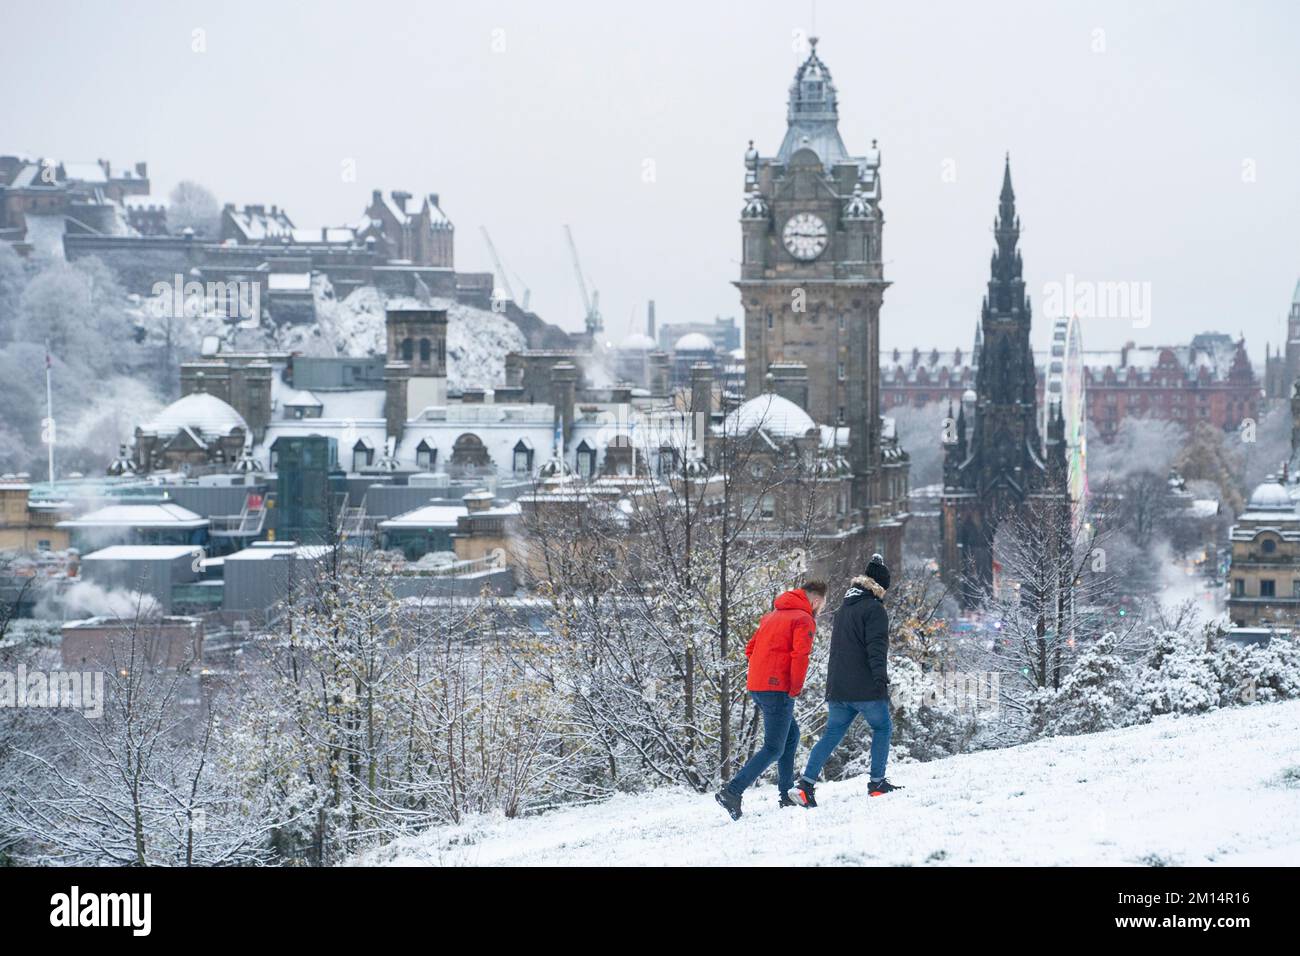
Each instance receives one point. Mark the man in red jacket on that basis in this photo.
(778, 661)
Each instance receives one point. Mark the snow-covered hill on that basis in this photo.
(1220, 789)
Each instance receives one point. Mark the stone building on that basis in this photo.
(1282, 368)
(47, 188)
(1264, 576)
(812, 283)
(26, 525)
(413, 229)
(197, 433)
(996, 462)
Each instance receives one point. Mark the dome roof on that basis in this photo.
(694, 342)
(778, 416)
(639, 341)
(199, 412)
(1270, 496)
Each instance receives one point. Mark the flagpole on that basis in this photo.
(49, 415)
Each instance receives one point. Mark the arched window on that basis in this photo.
(470, 452)
(426, 351)
(408, 349)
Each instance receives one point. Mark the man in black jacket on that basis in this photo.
(857, 680)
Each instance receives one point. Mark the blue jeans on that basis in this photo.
(780, 741)
(840, 715)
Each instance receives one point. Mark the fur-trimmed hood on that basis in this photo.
(862, 584)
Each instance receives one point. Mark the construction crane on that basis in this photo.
(590, 302)
(501, 271)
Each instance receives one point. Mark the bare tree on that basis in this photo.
(140, 786)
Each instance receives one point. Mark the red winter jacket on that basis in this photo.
(778, 651)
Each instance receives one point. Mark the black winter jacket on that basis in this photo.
(858, 668)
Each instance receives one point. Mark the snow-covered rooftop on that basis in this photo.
(427, 516)
(158, 515)
(198, 412)
(143, 552)
(774, 414)
(694, 342)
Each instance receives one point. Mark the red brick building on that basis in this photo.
(920, 377)
(1210, 379)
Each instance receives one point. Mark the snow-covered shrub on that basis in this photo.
(1260, 673)
(1096, 694)
(1175, 678)
(927, 724)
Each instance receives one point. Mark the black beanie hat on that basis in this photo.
(878, 571)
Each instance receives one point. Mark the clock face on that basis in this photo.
(805, 236)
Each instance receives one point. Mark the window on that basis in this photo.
(43, 544)
(426, 456)
(841, 322)
(1266, 587)
(426, 351)
(523, 458)
(769, 320)
(839, 371)
(667, 460)
(361, 456)
(767, 508)
(1268, 545)
(1295, 588)
(586, 460)
(1238, 587)
(408, 350)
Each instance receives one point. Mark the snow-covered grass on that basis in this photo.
(1223, 788)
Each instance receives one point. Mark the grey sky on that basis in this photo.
(1128, 163)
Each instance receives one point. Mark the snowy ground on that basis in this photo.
(1218, 789)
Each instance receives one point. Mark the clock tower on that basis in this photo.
(811, 281)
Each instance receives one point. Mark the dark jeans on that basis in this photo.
(840, 715)
(780, 741)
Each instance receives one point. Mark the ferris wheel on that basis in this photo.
(1065, 386)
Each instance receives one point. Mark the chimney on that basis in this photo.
(480, 499)
(396, 380)
(660, 382)
(701, 401)
(142, 170)
(376, 196)
(564, 379)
